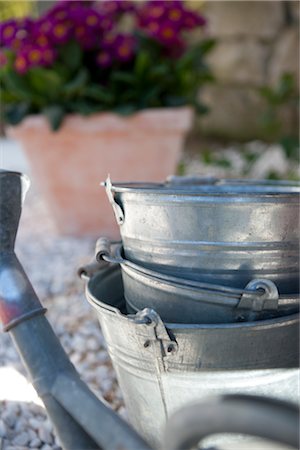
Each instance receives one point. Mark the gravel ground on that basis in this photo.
(51, 263)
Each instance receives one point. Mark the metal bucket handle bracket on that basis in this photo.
(119, 213)
(159, 341)
(158, 332)
(268, 300)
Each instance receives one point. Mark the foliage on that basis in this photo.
(281, 95)
(89, 56)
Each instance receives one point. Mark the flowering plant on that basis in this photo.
(89, 56)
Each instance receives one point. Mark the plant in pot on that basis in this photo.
(92, 88)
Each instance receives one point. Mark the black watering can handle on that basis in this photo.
(262, 417)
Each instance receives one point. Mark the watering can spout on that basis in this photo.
(18, 301)
(13, 188)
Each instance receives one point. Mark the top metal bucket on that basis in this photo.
(224, 231)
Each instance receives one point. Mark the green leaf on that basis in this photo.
(205, 46)
(99, 93)
(19, 87)
(207, 156)
(55, 115)
(269, 94)
(223, 162)
(14, 114)
(123, 77)
(71, 55)
(142, 63)
(175, 100)
(291, 147)
(77, 84)
(84, 107)
(200, 107)
(125, 110)
(45, 82)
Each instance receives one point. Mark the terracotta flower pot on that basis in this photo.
(69, 165)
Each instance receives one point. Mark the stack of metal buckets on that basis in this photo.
(201, 296)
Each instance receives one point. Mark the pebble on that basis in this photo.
(45, 435)
(2, 429)
(21, 439)
(34, 423)
(46, 447)
(35, 442)
(92, 344)
(9, 418)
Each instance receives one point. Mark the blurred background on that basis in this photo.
(252, 125)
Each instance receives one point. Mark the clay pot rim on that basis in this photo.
(178, 119)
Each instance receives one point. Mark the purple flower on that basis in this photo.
(104, 59)
(21, 63)
(113, 7)
(176, 14)
(43, 26)
(193, 20)
(8, 31)
(109, 40)
(167, 33)
(42, 41)
(34, 56)
(60, 32)
(125, 48)
(48, 56)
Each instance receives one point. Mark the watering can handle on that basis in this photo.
(263, 417)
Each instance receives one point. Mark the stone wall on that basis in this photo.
(257, 42)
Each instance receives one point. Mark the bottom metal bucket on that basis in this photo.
(161, 367)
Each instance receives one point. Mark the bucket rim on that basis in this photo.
(222, 187)
(183, 326)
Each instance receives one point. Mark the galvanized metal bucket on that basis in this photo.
(186, 301)
(219, 231)
(161, 366)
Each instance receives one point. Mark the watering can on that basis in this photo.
(81, 420)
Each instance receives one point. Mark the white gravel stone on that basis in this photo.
(45, 435)
(34, 423)
(21, 425)
(92, 344)
(46, 447)
(9, 417)
(3, 429)
(32, 434)
(36, 442)
(21, 439)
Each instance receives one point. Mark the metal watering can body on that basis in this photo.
(81, 420)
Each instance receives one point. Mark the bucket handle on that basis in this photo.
(258, 295)
(119, 213)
